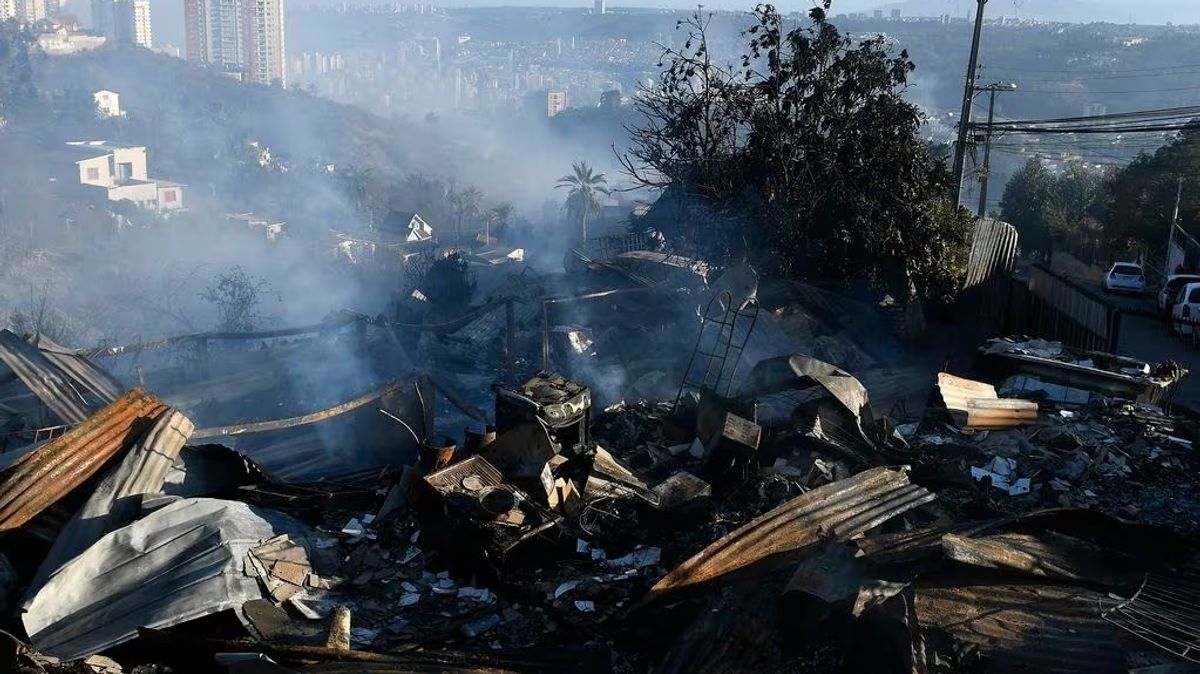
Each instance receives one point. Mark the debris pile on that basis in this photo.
(783, 525)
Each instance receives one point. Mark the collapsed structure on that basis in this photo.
(738, 503)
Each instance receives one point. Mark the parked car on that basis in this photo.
(1186, 310)
(1170, 290)
(1125, 277)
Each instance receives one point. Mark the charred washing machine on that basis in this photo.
(563, 409)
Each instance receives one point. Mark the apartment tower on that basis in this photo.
(244, 37)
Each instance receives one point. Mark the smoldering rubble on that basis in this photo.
(550, 483)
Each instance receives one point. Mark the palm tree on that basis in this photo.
(583, 200)
(497, 215)
(465, 203)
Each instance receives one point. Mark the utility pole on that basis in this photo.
(985, 173)
(964, 119)
(1171, 233)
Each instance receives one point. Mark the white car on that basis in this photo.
(1126, 277)
(1170, 290)
(1186, 310)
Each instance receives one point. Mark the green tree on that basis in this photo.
(583, 198)
(1044, 205)
(1141, 194)
(1024, 202)
(806, 158)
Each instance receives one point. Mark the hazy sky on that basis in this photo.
(168, 14)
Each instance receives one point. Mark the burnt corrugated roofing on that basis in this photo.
(840, 511)
(40, 478)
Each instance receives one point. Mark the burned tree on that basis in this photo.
(805, 158)
(238, 298)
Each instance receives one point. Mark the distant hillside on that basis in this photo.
(1071, 11)
(193, 115)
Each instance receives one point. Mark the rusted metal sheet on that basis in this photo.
(1046, 554)
(1023, 627)
(112, 504)
(303, 420)
(975, 405)
(1165, 612)
(51, 385)
(840, 511)
(42, 477)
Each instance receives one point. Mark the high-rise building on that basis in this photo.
(124, 22)
(598, 7)
(895, 14)
(877, 14)
(142, 35)
(556, 102)
(245, 37)
(24, 11)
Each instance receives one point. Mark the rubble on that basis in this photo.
(1020, 521)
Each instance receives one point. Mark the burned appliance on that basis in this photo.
(563, 409)
(484, 523)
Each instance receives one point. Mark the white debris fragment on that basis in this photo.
(408, 587)
(304, 608)
(410, 555)
(1003, 472)
(410, 599)
(581, 546)
(599, 555)
(354, 528)
(565, 588)
(480, 594)
(367, 518)
(585, 606)
(639, 558)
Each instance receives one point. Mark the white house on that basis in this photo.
(108, 103)
(122, 172)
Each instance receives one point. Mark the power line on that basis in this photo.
(1097, 71)
(1121, 91)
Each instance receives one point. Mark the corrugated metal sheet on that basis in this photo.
(975, 405)
(1165, 612)
(113, 504)
(1046, 554)
(42, 477)
(1023, 628)
(840, 511)
(181, 562)
(993, 252)
(51, 385)
(82, 370)
(1089, 312)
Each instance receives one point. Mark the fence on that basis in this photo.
(1055, 307)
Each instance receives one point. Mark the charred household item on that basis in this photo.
(480, 519)
(544, 433)
(1062, 365)
(728, 435)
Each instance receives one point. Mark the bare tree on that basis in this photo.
(238, 298)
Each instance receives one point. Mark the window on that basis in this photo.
(93, 173)
(1127, 270)
(169, 196)
(1194, 296)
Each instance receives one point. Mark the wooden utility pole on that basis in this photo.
(985, 171)
(964, 119)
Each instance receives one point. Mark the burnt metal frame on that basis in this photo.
(718, 358)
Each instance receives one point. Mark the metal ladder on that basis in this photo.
(720, 322)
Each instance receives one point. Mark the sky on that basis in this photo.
(168, 14)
